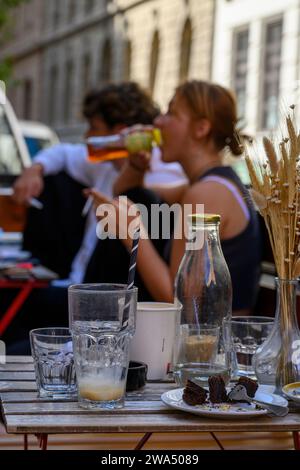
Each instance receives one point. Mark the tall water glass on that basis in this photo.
(102, 321)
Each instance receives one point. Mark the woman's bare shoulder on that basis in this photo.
(205, 191)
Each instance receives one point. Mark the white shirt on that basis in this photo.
(72, 158)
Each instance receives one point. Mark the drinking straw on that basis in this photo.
(133, 255)
(131, 273)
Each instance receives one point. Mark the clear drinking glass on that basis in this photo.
(102, 321)
(52, 351)
(196, 355)
(243, 336)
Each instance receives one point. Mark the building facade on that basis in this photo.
(76, 45)
(256, 52)
(23, 47)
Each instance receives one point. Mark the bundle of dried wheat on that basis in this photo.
(276, 192)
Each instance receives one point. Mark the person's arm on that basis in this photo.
(149, 263)
(133, 173)
(52, 159)
(130, 176)
(71, 158)
(62, 157)
(30, 182)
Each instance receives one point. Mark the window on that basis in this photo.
(27, 103)
(86, 73)
(10, 161)
(106, 62)
(127, 60)
(154, 58)
(53, 75)
(72, 9)
(89, 6)
(271, 75)
(36, 144)
(69, 76)
(56, 13)
(240, 68)
(185, 51)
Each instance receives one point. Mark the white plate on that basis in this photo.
(173, 398)
(292, 391)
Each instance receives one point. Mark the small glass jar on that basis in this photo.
(203, 287)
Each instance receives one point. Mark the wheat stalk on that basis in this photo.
(271, 154)
(259, 199)
(275, 191)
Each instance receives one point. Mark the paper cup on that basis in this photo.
(153, 341)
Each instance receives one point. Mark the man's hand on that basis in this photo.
(29, 184)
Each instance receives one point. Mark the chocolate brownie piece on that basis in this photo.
(250, 385)
(217, 389)
(194, 394)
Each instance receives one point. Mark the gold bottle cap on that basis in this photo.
(204, 218)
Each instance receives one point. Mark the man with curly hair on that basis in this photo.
(107, 111)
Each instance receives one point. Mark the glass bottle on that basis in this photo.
(130, 140)
(277, 360)
(203, 287)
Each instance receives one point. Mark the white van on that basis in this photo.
(14, 157)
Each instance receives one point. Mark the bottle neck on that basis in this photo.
(106, 141)
(201, 234)
(105, 148)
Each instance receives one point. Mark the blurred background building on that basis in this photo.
(62, 48)
(257, 53)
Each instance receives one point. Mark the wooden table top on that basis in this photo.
(23, 412)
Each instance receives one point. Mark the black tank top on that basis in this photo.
(242, 252)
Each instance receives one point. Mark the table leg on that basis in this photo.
(44, 441)
(217, 440)
(14, 307)
(25, 442)
(296, 436)
(143, 441)
(39, 438)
